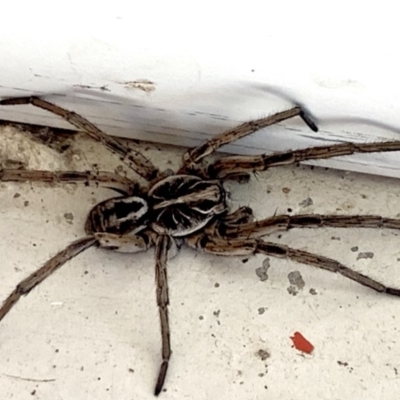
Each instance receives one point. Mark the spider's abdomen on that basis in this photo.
(119, 215)
(183, 204)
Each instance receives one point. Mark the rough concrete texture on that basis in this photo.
(91, 330)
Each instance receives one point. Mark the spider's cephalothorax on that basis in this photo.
(191, 208)
(184, 204)
(176, 206)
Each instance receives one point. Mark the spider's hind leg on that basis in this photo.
(133, 158)
(38, 276)
(108, 180)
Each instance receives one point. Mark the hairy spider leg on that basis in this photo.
(163, 244)
(244, 247)
(132, 158)
(195, 155)
(107, 180)
(285, 222)
(246, 164)
(38, 276)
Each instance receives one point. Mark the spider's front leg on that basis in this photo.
(133, 158)
(193, 156)
(226, 166)
(285, 222)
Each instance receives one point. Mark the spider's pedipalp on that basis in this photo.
(243, 215)
(133, 158)
(122, 243)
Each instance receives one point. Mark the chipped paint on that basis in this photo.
(142, 84)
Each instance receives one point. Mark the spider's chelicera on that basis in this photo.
(190, 208)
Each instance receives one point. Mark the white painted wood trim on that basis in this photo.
(173, 73)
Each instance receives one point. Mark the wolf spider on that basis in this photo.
(189, 207)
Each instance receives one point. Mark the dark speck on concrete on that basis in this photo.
(367, 254)
(261, 272)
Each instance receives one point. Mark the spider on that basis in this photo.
(190, 207)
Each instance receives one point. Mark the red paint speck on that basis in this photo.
(301, 343)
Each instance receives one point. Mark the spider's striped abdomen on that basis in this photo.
(120, 215)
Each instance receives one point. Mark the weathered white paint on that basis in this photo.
(179, 72)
